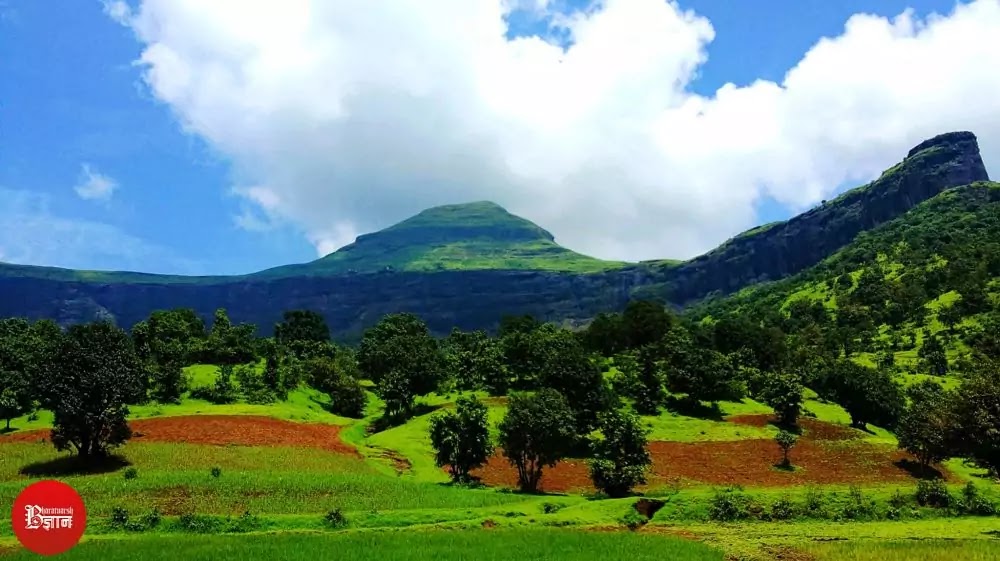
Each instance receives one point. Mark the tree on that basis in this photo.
(272, 376)
(926, 427)
(568, 369)
(650, 392)
(303, 332)
(169, 336)
(950, 316)
(16, 363)
(620, 458)
(229, 344)
(403, 359)
(252, 385)
(475, 361)
(605, 334)
(786, 440)
(977, 415)
(223, 390)
(644, 322)
(16, 397)
(933, 355)
(703, 375)
(783, 393)
(97, 373)
(461, 438)
(868, 395)
(347, 397)
(167, 382)
(537, 431)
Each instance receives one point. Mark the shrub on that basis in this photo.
(729, 504)
(119, 517)
(216, 472)
(974, 503)
(335, 518)
(152, 520)
(814, 503)
(130, 473)
(633, 520)
(461, 438)
(857, 507)
(190, 522)
(245, 523)
(782, 509)
(933, 493)
(898, 500)
(786, 440)
(551, 508)
(620, 458)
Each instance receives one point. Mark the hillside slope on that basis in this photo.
(933, 271)
(467, 265)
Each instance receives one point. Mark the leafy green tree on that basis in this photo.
(16, 396)
(229, 344)
(950, 316)
(786, 440)
(927, 426)
(169, 336)
(96, 375)
(933, 355)
(650, 391)
(620, 458)
(304, 334)
(568, 369)
(475, 360)
(537, 432)
(605, 334)
(403, 359)
(644, 322)
(784, 394)
(347, 397)
(17, 361)
(517, 324)
(461, 438)
(223, 391)
(252, 385)
(977, 415)
(704, 375)
(868, 395)
(167, 382)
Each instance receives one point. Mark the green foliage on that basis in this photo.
(97, 373)
(536, 432)
(783, 393)
(335, 518)
(568, 369)
(461, 438)
(216, 472)
(868, 395)
(620, 458)
(972, 502)
(228, 343)
(167, 382)
(347, 397)
(933, 355)
(252, 384)
(633, 520)
(703, 375)
(650, 389)
(130, 473)
(301, 326)
(403, 359)
(977, 415)
(475, 361)
(933, 493)
(927, 426)
(644, 322)
(786, 440)
(731, 504)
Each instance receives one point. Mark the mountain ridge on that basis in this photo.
(549, 281)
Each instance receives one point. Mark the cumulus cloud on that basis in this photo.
(94, 185)
(33, 234)
(343, 119)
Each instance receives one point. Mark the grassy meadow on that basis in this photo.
(214, 501)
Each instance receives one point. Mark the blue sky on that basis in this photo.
(72, 101)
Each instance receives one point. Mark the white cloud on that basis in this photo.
(33, 235)
(348, 118)
(93, 185)
(117, 10)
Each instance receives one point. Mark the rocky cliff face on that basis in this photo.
(471, 299)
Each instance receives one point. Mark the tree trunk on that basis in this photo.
(8, 424)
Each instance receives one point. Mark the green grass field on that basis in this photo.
(392, 483)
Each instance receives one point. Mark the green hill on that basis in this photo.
(934, 270)
(472, 236)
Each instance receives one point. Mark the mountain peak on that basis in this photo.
(469, 236)
(962, 140)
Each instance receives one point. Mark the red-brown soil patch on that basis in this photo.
(567, 475)
(812, 429)
(825, 454)
(751, 463)
(225, 430)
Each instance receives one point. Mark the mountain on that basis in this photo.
(467, 265)
(472, 236)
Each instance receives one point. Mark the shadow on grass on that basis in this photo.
(386, 422)
(73, 465)
(918, 471)
(8, 430)
(782, 466)
(697, 409)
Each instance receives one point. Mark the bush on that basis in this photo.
(551, 508)
(216, 472)
(347, 397)
(857, 507)
(782, 509)
(729, 504)
(190, 522)
(151, 520)
(975, 504)
(119, 517)
(814, 504)
(898, 500)
(335, 518)
(633, 520)
(933, 493)
(245, 523)
(130, 473)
